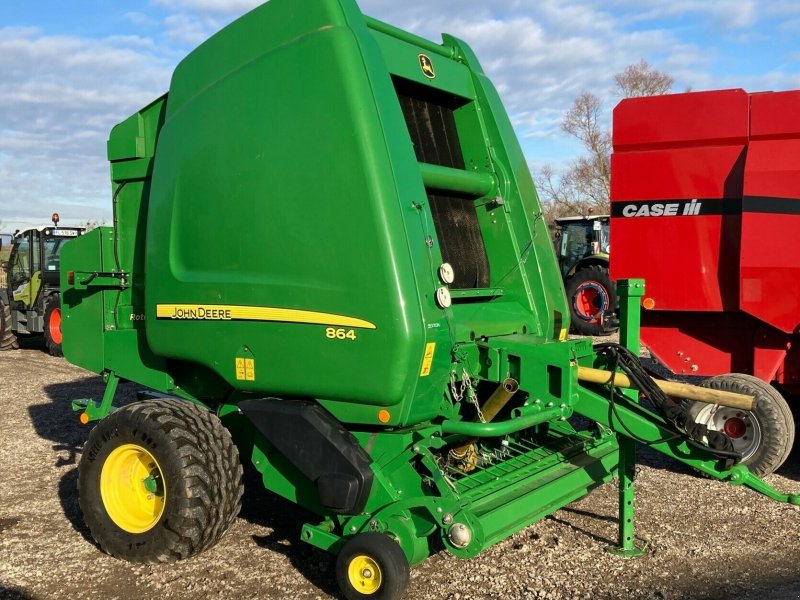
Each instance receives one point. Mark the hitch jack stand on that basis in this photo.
(630, 291)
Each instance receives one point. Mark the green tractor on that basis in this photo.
(582, 245)
(30, 300)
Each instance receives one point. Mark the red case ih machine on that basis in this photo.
(705, 191)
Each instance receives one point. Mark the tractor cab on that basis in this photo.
(30, 300)
(582, 246)
(581, 237)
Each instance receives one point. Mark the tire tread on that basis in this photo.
(773, 409)
(8, 340)
(589, 273)
(212, 478)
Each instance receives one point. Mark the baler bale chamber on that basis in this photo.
(328, 259)
(705, 192)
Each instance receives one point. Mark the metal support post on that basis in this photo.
(630, 292)
(93, 411)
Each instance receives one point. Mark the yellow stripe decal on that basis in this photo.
(224, 312)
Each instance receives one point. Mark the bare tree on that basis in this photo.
(643, 80)
(585, 186)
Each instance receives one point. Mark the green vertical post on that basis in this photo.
(630, 292)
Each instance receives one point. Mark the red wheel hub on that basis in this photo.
(591, 301)
(734, 427)
(54, 326)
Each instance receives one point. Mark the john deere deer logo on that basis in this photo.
(427, 66)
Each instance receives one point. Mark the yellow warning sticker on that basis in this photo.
(249, 369)
(240, 374)
(430, 348)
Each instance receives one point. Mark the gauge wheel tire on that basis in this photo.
(52, 325)
(159, 481)
(591, 295)
(8, 341)
(763, 436)
(372, 566)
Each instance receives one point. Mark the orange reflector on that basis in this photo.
(649, 303)
(71, 277)
(384, 416)
(84, 418)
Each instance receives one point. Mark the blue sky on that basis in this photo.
(70, 70)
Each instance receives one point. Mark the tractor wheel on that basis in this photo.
(592, 298)
(52, 324)
(763, 436)
(8, 341)
(160, 480)
(372, 566)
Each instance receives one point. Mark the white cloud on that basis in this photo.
(59, 97)
(210, 6)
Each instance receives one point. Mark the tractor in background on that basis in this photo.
(582, 246)
(30, 300)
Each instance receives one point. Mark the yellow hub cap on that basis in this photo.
(365, 574)
(133, 488)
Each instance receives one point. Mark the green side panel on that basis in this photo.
(82, 311)
(279, 233)
(273, 188)
(101, 333)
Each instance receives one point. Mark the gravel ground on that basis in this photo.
(707, 540)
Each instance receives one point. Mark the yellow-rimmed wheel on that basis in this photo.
(160, 480)
(372, 566)
(132, 488)
(364, 574)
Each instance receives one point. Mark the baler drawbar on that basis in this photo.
(377, 322)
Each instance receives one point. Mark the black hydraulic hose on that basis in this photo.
(622, 357)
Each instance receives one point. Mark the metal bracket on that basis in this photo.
(92, 411)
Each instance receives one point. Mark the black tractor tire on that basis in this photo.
(8, 341)
(592, 298)
(189, 495)
(52, 325)
(765, 435)
(372, 566)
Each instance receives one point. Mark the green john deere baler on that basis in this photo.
(328, 258)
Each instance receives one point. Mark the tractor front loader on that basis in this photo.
(378, 325)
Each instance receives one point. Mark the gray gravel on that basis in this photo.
(707, 540)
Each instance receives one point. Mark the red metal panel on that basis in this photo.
(697, 118)
(680, 259)
(706, 344)
(726, 285)
(700, 343)
(775, 114)
(770, 274)
(769, 270)
(677, 173)
(689, 262)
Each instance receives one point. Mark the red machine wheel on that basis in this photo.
(764, 436)
(52, 325)
(592, 298)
